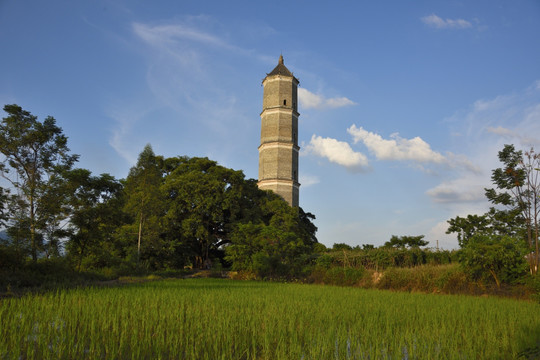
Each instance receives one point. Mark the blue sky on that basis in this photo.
(404, 104)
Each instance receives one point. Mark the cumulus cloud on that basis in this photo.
(439, 23)
(338, 152)
(309, 100)
(457, 191)
(396, 148)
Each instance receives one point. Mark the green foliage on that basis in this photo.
(35, 157)
(385, 257)
(343, 276)
(519, 190)
(341, 246)
(96, 214)
(501, 258)
(467, 227)
(167, 214)
(18, 274)
(224, 319)
(203, 202)
(281, 247)
(492, 251)
(406, 241)
(448, 279)
(145, 205)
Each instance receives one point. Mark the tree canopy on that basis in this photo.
(168, 213)
(36, 157)
(406, 241)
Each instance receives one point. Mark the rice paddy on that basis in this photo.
(225, 319)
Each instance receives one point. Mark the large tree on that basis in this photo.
(516, 197)
(278, 243)
(144, 202)
(96, 213)
(210, 208)
(35, 157)
(518, 183)
(203, 201)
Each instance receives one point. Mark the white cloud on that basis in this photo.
(485, 128)
(457, 191)
(309, 100)
(308, 180)
(164, 35)
(499, 130)
(507, 118)
(122, 139)
(439, 23)
(396, 148)
(338, 152)
(437, 236)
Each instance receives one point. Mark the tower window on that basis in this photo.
(284, 102)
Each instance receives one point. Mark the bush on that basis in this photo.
(497, 257)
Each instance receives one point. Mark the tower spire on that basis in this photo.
(281, 59)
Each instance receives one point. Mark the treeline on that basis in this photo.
(167, 214)
(500, 247)
(171, 214)
(382, 258)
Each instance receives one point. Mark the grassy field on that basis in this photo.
(225, 319)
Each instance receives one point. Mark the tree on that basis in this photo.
(467, 227)
(96, 213)
(143, 197)
(273, 245)
(204, 200)
(35, 155)
(341, 247)
(406, 241)
(498, 256)
(519, 185)
(494, 222)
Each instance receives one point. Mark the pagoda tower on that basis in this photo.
(278, 152)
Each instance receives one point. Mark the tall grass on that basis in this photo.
(223, 319)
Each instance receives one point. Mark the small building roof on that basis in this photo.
(281, 69)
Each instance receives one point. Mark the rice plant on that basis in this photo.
(224, 319)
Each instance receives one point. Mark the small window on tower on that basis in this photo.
(284, 102)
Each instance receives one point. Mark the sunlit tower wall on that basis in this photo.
(278, 152)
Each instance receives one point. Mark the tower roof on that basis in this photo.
(281, 69)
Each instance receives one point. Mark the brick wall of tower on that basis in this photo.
(278, 152)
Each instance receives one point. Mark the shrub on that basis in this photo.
(499, 257)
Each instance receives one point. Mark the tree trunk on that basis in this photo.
(33, 228)
(496, 278)
(140, 236)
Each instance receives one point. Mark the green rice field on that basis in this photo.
(226, 319)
